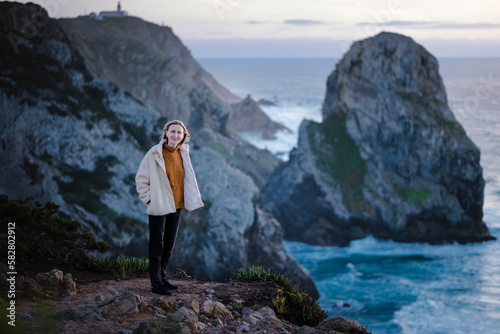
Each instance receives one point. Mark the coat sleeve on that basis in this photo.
(142, 181)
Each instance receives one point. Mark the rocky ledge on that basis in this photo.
(54, 300)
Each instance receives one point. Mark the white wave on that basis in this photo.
(441, 315)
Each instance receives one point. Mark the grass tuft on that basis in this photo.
(126, 266)
(291, 303)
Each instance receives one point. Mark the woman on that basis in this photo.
(167, 184)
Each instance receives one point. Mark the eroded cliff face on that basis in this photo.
(389, 158)
(151, 63)
(78, 140)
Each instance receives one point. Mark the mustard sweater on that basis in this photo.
(175, 173)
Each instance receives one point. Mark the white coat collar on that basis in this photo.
(159, 147)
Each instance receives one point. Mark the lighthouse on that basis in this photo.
(108, 14)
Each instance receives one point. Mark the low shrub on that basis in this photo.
(44, 235)
(125, 266)
(290, 303)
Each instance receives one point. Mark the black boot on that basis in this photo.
(169, 286)
(160, 290)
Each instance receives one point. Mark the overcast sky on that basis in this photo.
(309, 28)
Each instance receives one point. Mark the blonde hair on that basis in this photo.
(176, 122)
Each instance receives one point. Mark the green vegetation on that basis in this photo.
(43, 77)
(126, 266)
(411, 194)
(83, 189)
(291, 303)
(44, 235)
(139, 133)
(338, 156)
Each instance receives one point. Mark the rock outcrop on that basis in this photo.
(246, 116)
(75, 139)
(389, 158)
(52, 284)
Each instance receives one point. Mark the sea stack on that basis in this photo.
(389, 158)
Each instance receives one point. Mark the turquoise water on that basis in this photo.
(409, 288)
(388, 286)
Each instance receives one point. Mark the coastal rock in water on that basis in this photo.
(264, 102)
(389, 158)
(246, 116)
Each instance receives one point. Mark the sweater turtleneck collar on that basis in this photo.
(170, 149)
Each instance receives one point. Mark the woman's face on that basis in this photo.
(175, 134)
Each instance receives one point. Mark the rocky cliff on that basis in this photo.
(151, 63)
(77, 139)
(389, 158)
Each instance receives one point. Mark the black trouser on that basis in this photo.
(162, 234)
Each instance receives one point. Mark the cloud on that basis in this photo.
(299, 22)
(433, 25)
(468, 25)
(255, 22)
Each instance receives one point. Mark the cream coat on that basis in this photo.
(153, 184)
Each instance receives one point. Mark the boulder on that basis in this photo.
(121, 304)
(264, 320)
(125, 303)
(147, 327)
(335, 325)
(54, 278)
(81, 312)
(193, 305)
(52, 284)
(216, 309)
(341, 325)
(183, 318)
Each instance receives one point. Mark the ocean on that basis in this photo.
(392, 287)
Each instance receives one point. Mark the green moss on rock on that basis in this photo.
(411, 194)
(338, 156)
